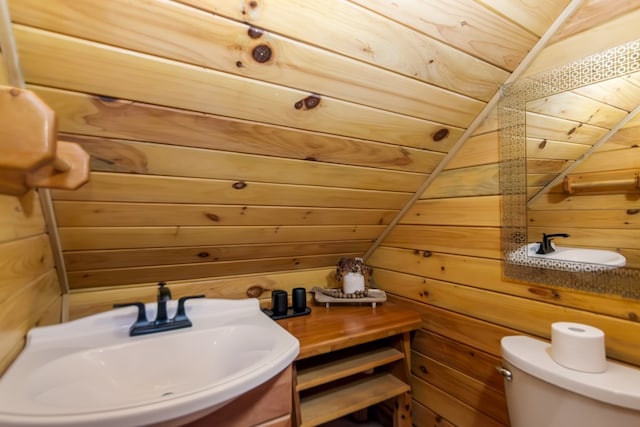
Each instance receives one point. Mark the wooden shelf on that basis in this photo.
(351, 358)
(327, 405)
(323, 373)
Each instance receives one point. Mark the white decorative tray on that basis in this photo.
(374, 296)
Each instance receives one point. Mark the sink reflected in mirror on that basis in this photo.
(569, 165)
(563, 258)
(90, 372)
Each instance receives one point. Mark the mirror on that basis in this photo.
(568, 138)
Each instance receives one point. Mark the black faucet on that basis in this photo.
(545, 246)
(162, 323)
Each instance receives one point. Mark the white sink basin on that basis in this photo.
(608, 259)
(90, 372)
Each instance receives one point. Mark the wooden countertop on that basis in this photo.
(341, 326)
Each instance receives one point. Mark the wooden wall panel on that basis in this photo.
(80, 113)
(234, 287)
(467, 305)
(90, 67)
(334, 76)
(233, 177)
(29, 289)
(4, 78)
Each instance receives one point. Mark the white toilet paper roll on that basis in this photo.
(578, 347)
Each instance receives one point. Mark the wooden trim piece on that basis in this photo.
(312, 376)
(354, 395)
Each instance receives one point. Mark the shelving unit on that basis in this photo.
(352, 358)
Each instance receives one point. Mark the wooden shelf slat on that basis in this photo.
(345, 399)
(323, 373)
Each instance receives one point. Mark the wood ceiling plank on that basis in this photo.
(120, 258)
(111, 277)
(114, 155)
(110, 214)
(572, 106)
(464, 24)
(159, 189)
(549, 149)
(478, 150)
(80, 113)
(594, 13)
(163, 29)
(535, 16)
(610, 160)
(355, 32)
(89, 238)
(612, 33)
(90, 67)
(557, 129)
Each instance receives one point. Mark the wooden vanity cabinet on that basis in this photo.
(352, 357)
(268, 405)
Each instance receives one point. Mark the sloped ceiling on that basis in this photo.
(264, 135)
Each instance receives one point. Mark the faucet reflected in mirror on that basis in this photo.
(143, 326)
(545, 245)
(571, 128)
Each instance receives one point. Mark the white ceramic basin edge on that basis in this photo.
(568, 258)
(90, 372)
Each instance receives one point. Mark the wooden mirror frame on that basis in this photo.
(611, 63)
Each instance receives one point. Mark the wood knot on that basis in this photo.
(203, 254)
(633, 316)
(311, 101)
(261, 53)
(107, 98)
(255, 291)
(424, 369)
(239, 185)
(426, 254)
(212, 216)
(441, 134)
(542, 144)
(633, 211)
(255, 33)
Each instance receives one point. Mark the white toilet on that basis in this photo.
(542, 393)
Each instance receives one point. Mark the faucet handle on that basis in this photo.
(164, 293)
(181, 314)
(142, 312)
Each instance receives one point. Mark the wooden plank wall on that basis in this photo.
(234, 177)
(29, 291)
(443, 260)
(254, 137)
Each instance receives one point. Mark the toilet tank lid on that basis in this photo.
(619, 385)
